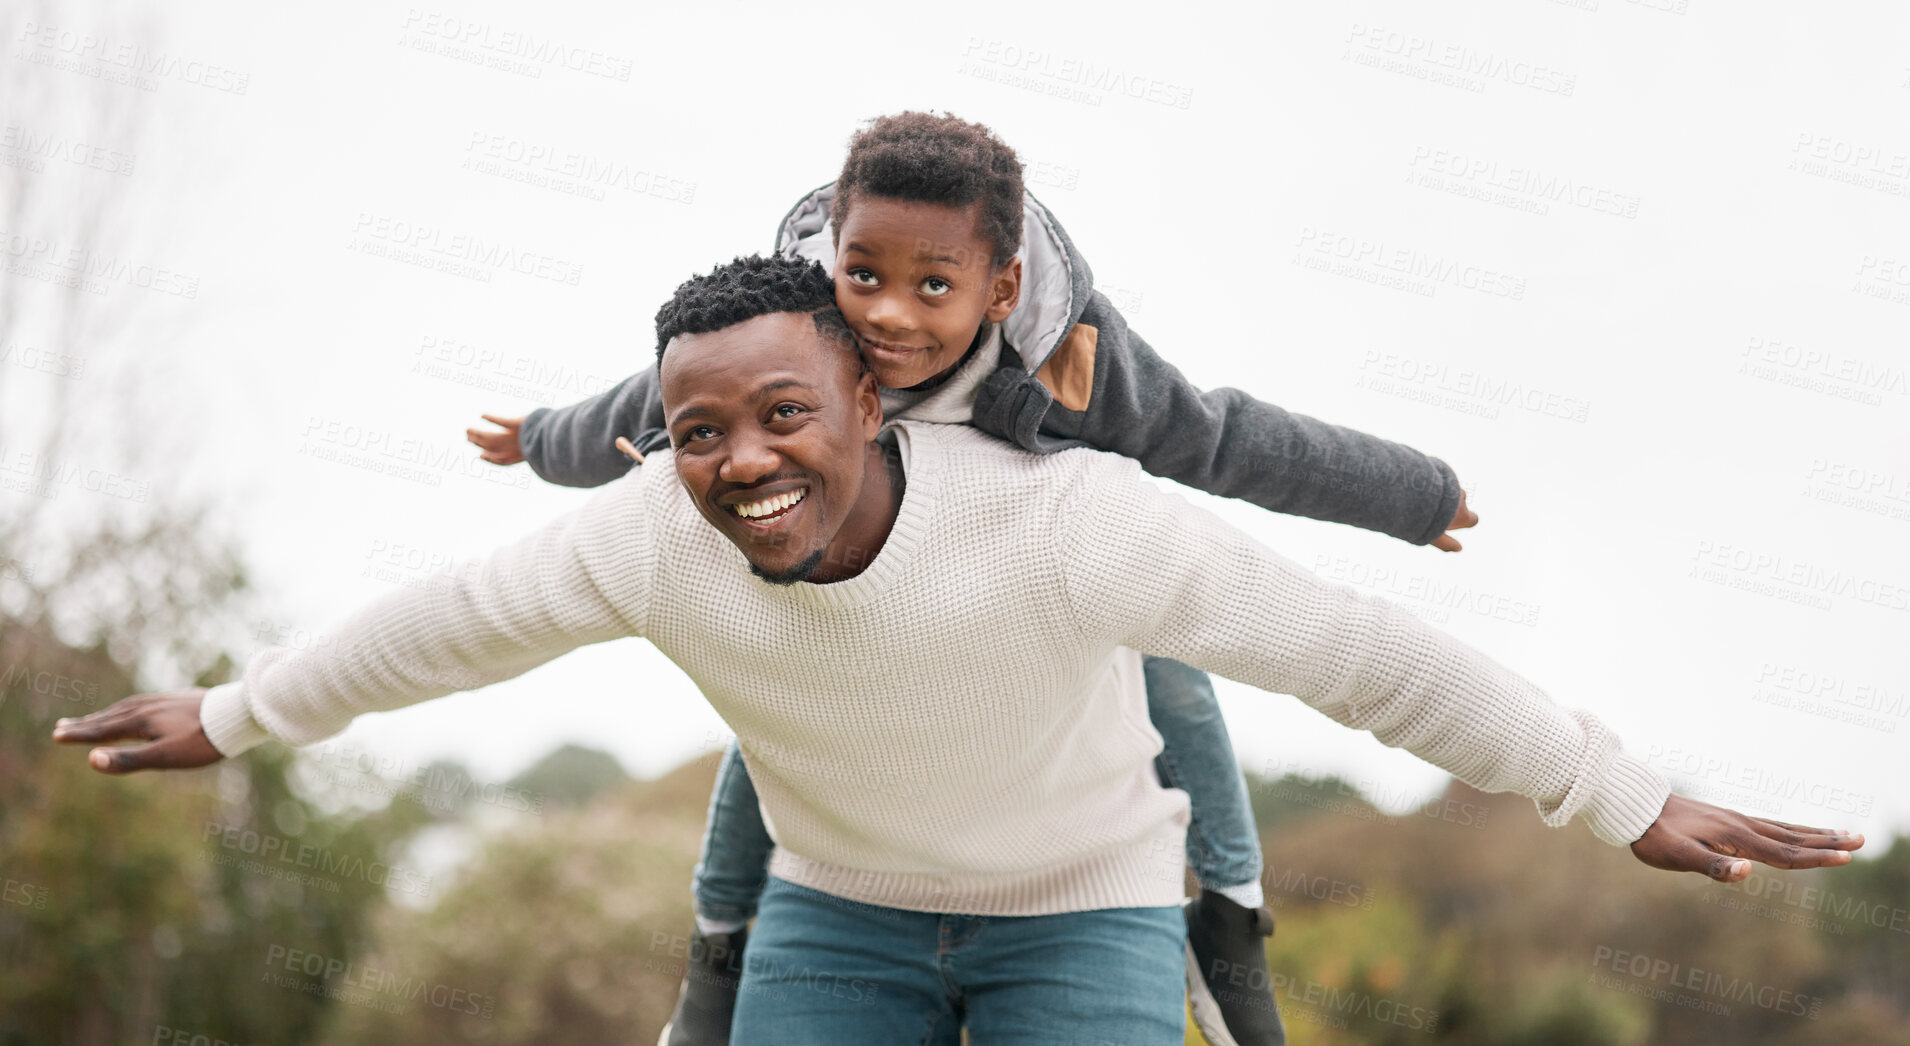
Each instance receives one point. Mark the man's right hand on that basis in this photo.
(500, 448)
(167, 723)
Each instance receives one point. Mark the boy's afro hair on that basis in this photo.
(750, 287)
(924, 158)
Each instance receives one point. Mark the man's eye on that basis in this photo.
(788, 410)
(861, 277)
(937, 286)
(701, 432)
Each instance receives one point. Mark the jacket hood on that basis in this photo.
(1055, 280)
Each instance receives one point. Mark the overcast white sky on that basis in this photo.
(1640, 271)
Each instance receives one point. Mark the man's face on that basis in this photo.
(771, 424)
(916, 281)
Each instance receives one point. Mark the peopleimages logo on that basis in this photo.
(126, 62)
(282, 851)
(1521, 187)
(536, 52)
(1771, 573)
(1400, 267)
(1068, 76)
(461, 254)
(28, 144)
(1647, 971)
(360, 983)
(1845, 906)
(1458, 59)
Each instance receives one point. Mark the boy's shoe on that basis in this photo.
(1227, 982)
(708, 1000)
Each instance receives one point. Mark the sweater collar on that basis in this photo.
(922, 457)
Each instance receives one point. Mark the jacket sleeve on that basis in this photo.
(1146, 570)
(575, 446)
(1224, 442)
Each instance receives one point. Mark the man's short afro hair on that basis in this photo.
(924, 158)
(750, 287)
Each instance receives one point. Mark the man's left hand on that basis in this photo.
(1690, 836)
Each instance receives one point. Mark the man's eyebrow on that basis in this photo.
(699, 411)
(690, 412)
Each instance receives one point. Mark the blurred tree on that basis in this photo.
(1478, 911)
(571, 775)
(156, 900)
(571, 931)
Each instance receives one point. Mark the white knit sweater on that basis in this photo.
(962, 727)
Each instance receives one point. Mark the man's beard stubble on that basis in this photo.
(799, 572)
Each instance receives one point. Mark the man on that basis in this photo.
(927, 647)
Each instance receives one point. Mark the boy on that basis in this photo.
(972, 306)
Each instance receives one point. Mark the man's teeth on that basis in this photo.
(775, 504)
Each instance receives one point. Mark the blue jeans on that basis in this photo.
(822, 971)
(1197, 756)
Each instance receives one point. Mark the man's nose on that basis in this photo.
(752, 455)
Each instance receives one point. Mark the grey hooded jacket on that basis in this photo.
(1072, 374)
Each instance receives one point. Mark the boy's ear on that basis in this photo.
(869, 402)
(1005, 293)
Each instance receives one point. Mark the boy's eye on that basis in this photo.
(701, 432)
(937, 286)
(861, 277)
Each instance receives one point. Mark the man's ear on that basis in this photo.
(1005, 293)
(869, 402)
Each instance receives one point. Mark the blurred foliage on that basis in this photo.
(1514, 933)
(570, 776)
(1466, 923)
(134, 904)
(572, 930)
(266, 900)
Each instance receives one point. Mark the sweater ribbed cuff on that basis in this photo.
(227, 721)
(1632, 798)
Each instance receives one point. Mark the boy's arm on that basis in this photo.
(575, 446)
(584, 578)
(1226, 442)
(1147, 570)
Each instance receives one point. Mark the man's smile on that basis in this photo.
(765, 511)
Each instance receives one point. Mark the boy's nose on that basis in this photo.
(890, 315)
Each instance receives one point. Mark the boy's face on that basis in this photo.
(769, 418)
(916, 281)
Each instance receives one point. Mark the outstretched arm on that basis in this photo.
(583, 578)
(1228, 443)
(1147, 570)
(575, 446)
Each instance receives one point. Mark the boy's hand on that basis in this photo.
(501, 448)
(1461, 519)
(168, 723)
(1690, 836)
